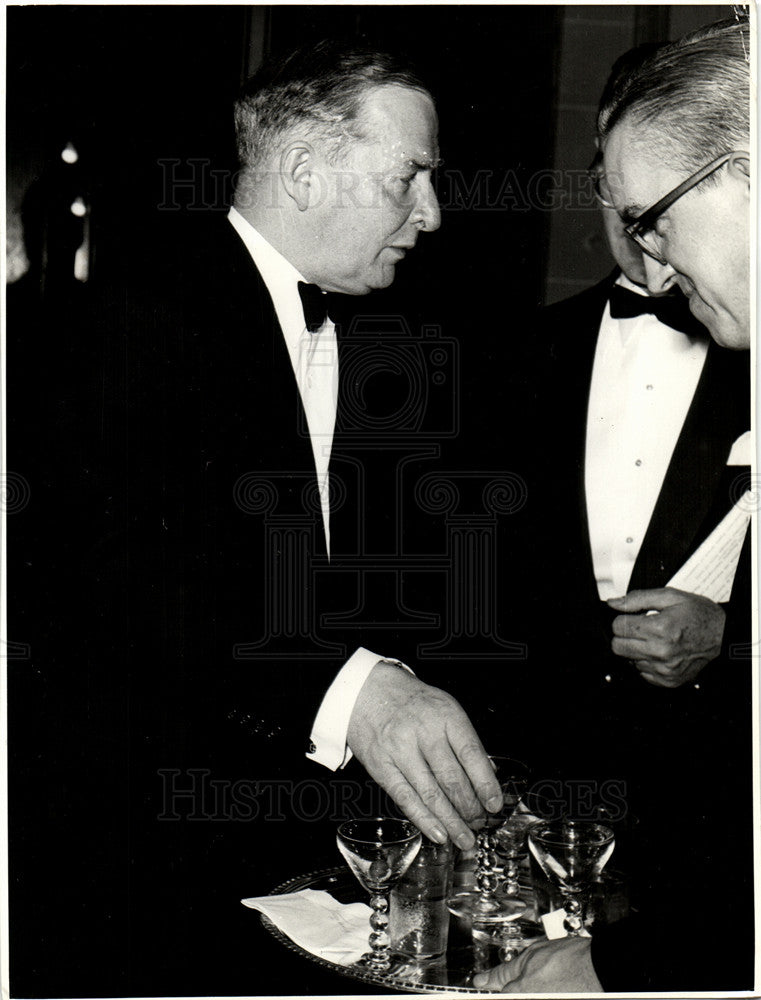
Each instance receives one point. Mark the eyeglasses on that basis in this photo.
(642, 230)
(599, 185)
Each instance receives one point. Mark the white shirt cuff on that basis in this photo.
(331, 724)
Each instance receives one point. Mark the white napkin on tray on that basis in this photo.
(312, 919)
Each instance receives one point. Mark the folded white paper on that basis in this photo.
(312, 919)
(554, 924)
(741, 453)
(710, 571)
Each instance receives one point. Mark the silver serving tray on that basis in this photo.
(468, 951)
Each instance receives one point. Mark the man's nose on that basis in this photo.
(427, 213)
(660, 277)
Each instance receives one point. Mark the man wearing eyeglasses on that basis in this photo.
(685, 750)
(673, 647)
(677, 146)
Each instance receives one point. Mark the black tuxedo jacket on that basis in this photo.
(667, 747)
(226, 523)
(237, 623)
(186, 620)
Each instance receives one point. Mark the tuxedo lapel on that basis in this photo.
(252, 366)
(253, 424)
(696, 493)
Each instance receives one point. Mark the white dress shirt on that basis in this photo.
(314, 357)
(643, 381)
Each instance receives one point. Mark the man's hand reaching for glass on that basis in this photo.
(419, 745)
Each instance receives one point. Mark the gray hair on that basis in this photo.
(318, 89)
(621, 73)
(693, 95)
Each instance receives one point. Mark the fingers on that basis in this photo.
(632, 649)
(452, 779)
(637, 626)
(495, 978)
(519, 987)
(656, 671)
(663, 627)
(654, 651)
(390, 778)
(475, 763)
(647, 600)
(653, 674)
(418, 743)
(502, 976)
(651, 679)
(423, 782)
(629, 649)
(663, 682)
(670, 673)
(654, 657)
(651, 658)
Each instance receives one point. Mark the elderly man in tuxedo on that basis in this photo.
(264, 536)
(337, 150)
(655, 446)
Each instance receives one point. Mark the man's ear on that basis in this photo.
(297, 173)
(739, 167)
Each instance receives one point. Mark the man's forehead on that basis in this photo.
(624, 147)
(634, 173)
(405, 126)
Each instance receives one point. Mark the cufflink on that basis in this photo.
(312, 747)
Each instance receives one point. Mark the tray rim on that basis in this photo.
(390, 984)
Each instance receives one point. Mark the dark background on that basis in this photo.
(133, 89)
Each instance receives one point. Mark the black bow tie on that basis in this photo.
(316, 305)
(672, 310)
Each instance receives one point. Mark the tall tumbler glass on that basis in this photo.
(418, 915)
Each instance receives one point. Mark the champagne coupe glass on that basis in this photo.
(572, 853)
(485, 905)
(378, 851)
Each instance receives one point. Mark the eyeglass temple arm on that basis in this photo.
(644, 221)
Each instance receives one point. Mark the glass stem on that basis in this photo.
(511, 942)
(379, 958)
(486, 862)
(574, 914)
(512, 886)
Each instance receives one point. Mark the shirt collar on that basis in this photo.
(624, 282)
(629, 327)
(278, 274)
